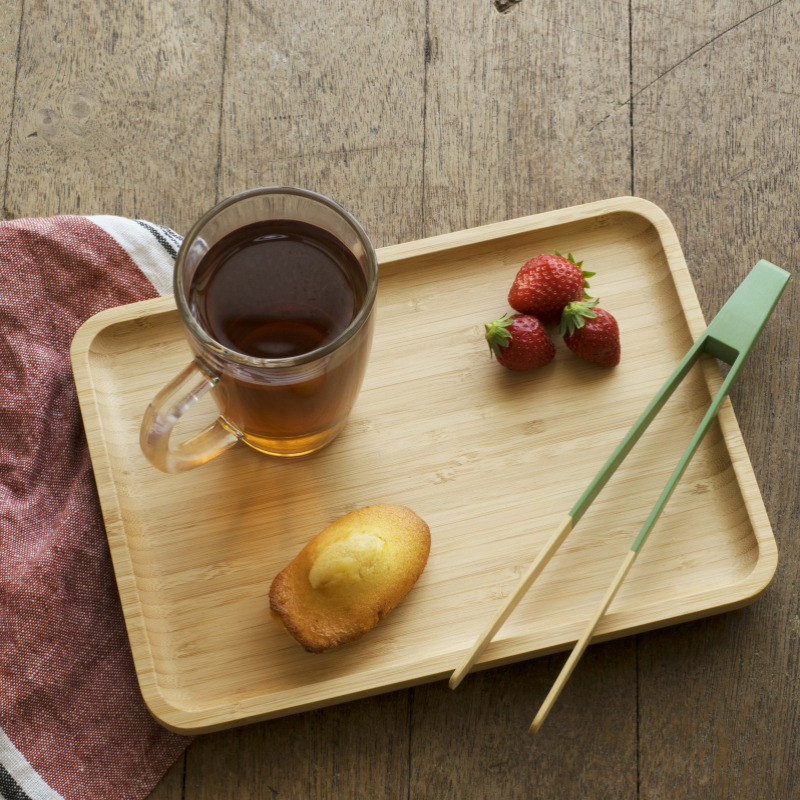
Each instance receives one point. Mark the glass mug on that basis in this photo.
(279, 406)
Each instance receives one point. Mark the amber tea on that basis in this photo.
(279, 289)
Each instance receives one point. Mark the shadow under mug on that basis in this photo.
(282, 406)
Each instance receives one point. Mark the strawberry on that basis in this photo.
(546, 284)
(591, 333)
(520, 342)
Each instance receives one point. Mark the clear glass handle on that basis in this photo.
(169, 405)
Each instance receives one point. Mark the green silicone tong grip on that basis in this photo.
(729, 337)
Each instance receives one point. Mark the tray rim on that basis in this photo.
(692, 606)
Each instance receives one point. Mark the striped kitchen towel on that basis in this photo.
(73, 725)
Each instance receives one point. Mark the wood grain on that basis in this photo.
(666, 33)
(582, 644)
(10, 11)
(472, 743)
(514, 107)
(520, 119)
(510, 603)
(334, 103)
(715, 145)
(117, 109)
(356, 750)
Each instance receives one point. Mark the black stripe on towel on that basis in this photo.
(9, 788)
(175, 238)
(160, 236)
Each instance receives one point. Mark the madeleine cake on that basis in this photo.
(350, 576)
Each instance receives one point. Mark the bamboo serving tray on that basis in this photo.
(489, 458)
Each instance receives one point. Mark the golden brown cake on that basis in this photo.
(350, 576)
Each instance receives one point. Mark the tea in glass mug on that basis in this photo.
(276, 291)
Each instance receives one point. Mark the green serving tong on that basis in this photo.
(730, 337)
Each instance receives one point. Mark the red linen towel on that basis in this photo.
(73, 725)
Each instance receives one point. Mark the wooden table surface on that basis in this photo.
(423, 118)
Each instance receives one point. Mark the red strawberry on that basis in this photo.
(591, 333)
(546, 284)
(520, 342)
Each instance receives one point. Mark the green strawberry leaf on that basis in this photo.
(575, 315)
(497, 334)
